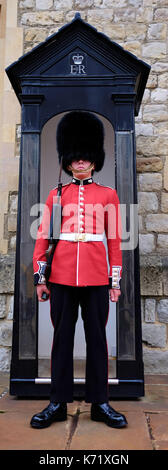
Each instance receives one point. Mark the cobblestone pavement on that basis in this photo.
(147, 423)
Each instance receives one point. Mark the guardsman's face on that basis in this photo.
(81, 165)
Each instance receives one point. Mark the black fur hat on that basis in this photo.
(80, 134)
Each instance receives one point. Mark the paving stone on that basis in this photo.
(161, 445)
(157, 394)
(156, 379)
(147, 422)
(159, 429)
(92, 435)
(18, 434)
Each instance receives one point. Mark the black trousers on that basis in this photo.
(94, 302)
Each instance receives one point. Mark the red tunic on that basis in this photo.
(88, 208)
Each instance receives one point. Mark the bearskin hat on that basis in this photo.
(80, 134)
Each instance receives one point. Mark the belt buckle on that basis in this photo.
(80, 237)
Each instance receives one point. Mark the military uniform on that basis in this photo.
(89, 213)
(80, 274)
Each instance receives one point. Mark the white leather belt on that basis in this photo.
(82, 237)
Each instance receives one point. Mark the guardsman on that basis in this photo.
(79, 271)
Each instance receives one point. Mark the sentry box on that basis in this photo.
(77, 68)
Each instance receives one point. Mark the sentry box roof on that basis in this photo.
(61, 55)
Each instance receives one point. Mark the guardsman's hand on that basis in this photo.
(40, 289)
(114, 294)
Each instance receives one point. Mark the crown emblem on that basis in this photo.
(78, 59)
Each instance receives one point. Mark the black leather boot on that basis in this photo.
(53, 412)
(104, 412)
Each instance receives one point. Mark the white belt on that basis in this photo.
(82, 237)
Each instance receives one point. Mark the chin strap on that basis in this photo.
(59, 182)
(91, 166)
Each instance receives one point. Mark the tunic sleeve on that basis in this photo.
(42, 243)
(113, 230)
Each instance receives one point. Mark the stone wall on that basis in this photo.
(140, 26)
(11, 47)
